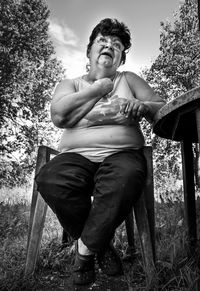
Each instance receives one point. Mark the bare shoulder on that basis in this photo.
(140, 88)
(135, 80)
(65, 87)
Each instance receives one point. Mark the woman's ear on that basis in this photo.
(123, 58)
(121, 62)
(88, 52)
(87, 67)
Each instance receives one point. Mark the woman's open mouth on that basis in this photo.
(107, 54)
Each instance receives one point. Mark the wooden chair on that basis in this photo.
(144, 216)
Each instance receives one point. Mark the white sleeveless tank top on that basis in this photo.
(104, 130)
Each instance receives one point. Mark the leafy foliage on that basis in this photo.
(29, 72)
(175, 71)
(178, 63)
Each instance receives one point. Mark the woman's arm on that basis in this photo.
(68, 106)
(146, 102)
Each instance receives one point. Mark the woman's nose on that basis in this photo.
(109, 45)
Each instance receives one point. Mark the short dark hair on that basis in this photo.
(112, 27)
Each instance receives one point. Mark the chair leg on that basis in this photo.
(66, 238)
(142, 222)
(149, 195)
(129, 222)
(145, 219)
(37, 216)
(35, 235)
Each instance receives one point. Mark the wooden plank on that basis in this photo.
(149, 195)
(42, 159)
(145, 220)
(199, 13)
(35, 235)
(141, 217)
(37, 213)
(129, 222)
(166, 123)
(198, 134)
(51, 151)
(189, 191)
(43, 156)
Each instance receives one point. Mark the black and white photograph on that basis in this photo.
(100, 145)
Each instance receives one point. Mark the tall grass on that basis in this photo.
(175, 269)
(14, 217)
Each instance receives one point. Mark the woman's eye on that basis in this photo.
(102, 40)
(117, 45)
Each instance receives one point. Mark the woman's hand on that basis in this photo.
(69, 106)
(104, 85)
(135, 109)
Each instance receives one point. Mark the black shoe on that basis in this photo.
(84, 269)
(110, 262)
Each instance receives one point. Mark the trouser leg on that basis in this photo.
(119, 181)
(66, 184)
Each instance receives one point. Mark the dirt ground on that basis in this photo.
(131, 280)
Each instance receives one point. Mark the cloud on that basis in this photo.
(73, 61)
(68, 48)
(62, 34)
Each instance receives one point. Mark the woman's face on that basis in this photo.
(106, 51)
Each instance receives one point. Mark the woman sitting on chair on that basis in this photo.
(101, 150)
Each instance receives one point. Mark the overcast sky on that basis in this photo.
(71, 23)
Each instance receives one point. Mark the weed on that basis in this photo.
(175, 270)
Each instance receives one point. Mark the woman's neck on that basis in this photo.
(93, 76)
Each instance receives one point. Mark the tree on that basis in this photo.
(179, 57)
(28, 75)
(175, 71)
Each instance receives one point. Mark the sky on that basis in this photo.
(72, 21)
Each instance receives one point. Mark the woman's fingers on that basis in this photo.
(139, 110)
(135, 109)
(127, 108)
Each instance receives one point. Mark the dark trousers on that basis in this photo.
(68, 181)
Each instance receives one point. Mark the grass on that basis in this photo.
(175, 270)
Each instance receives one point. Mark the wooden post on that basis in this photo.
(142, 222)
(149, 195)
(37, 214)
(199, 13)
(129, 222)
(197, 112)
(189, 191)
(42, 158)
(145, 220)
